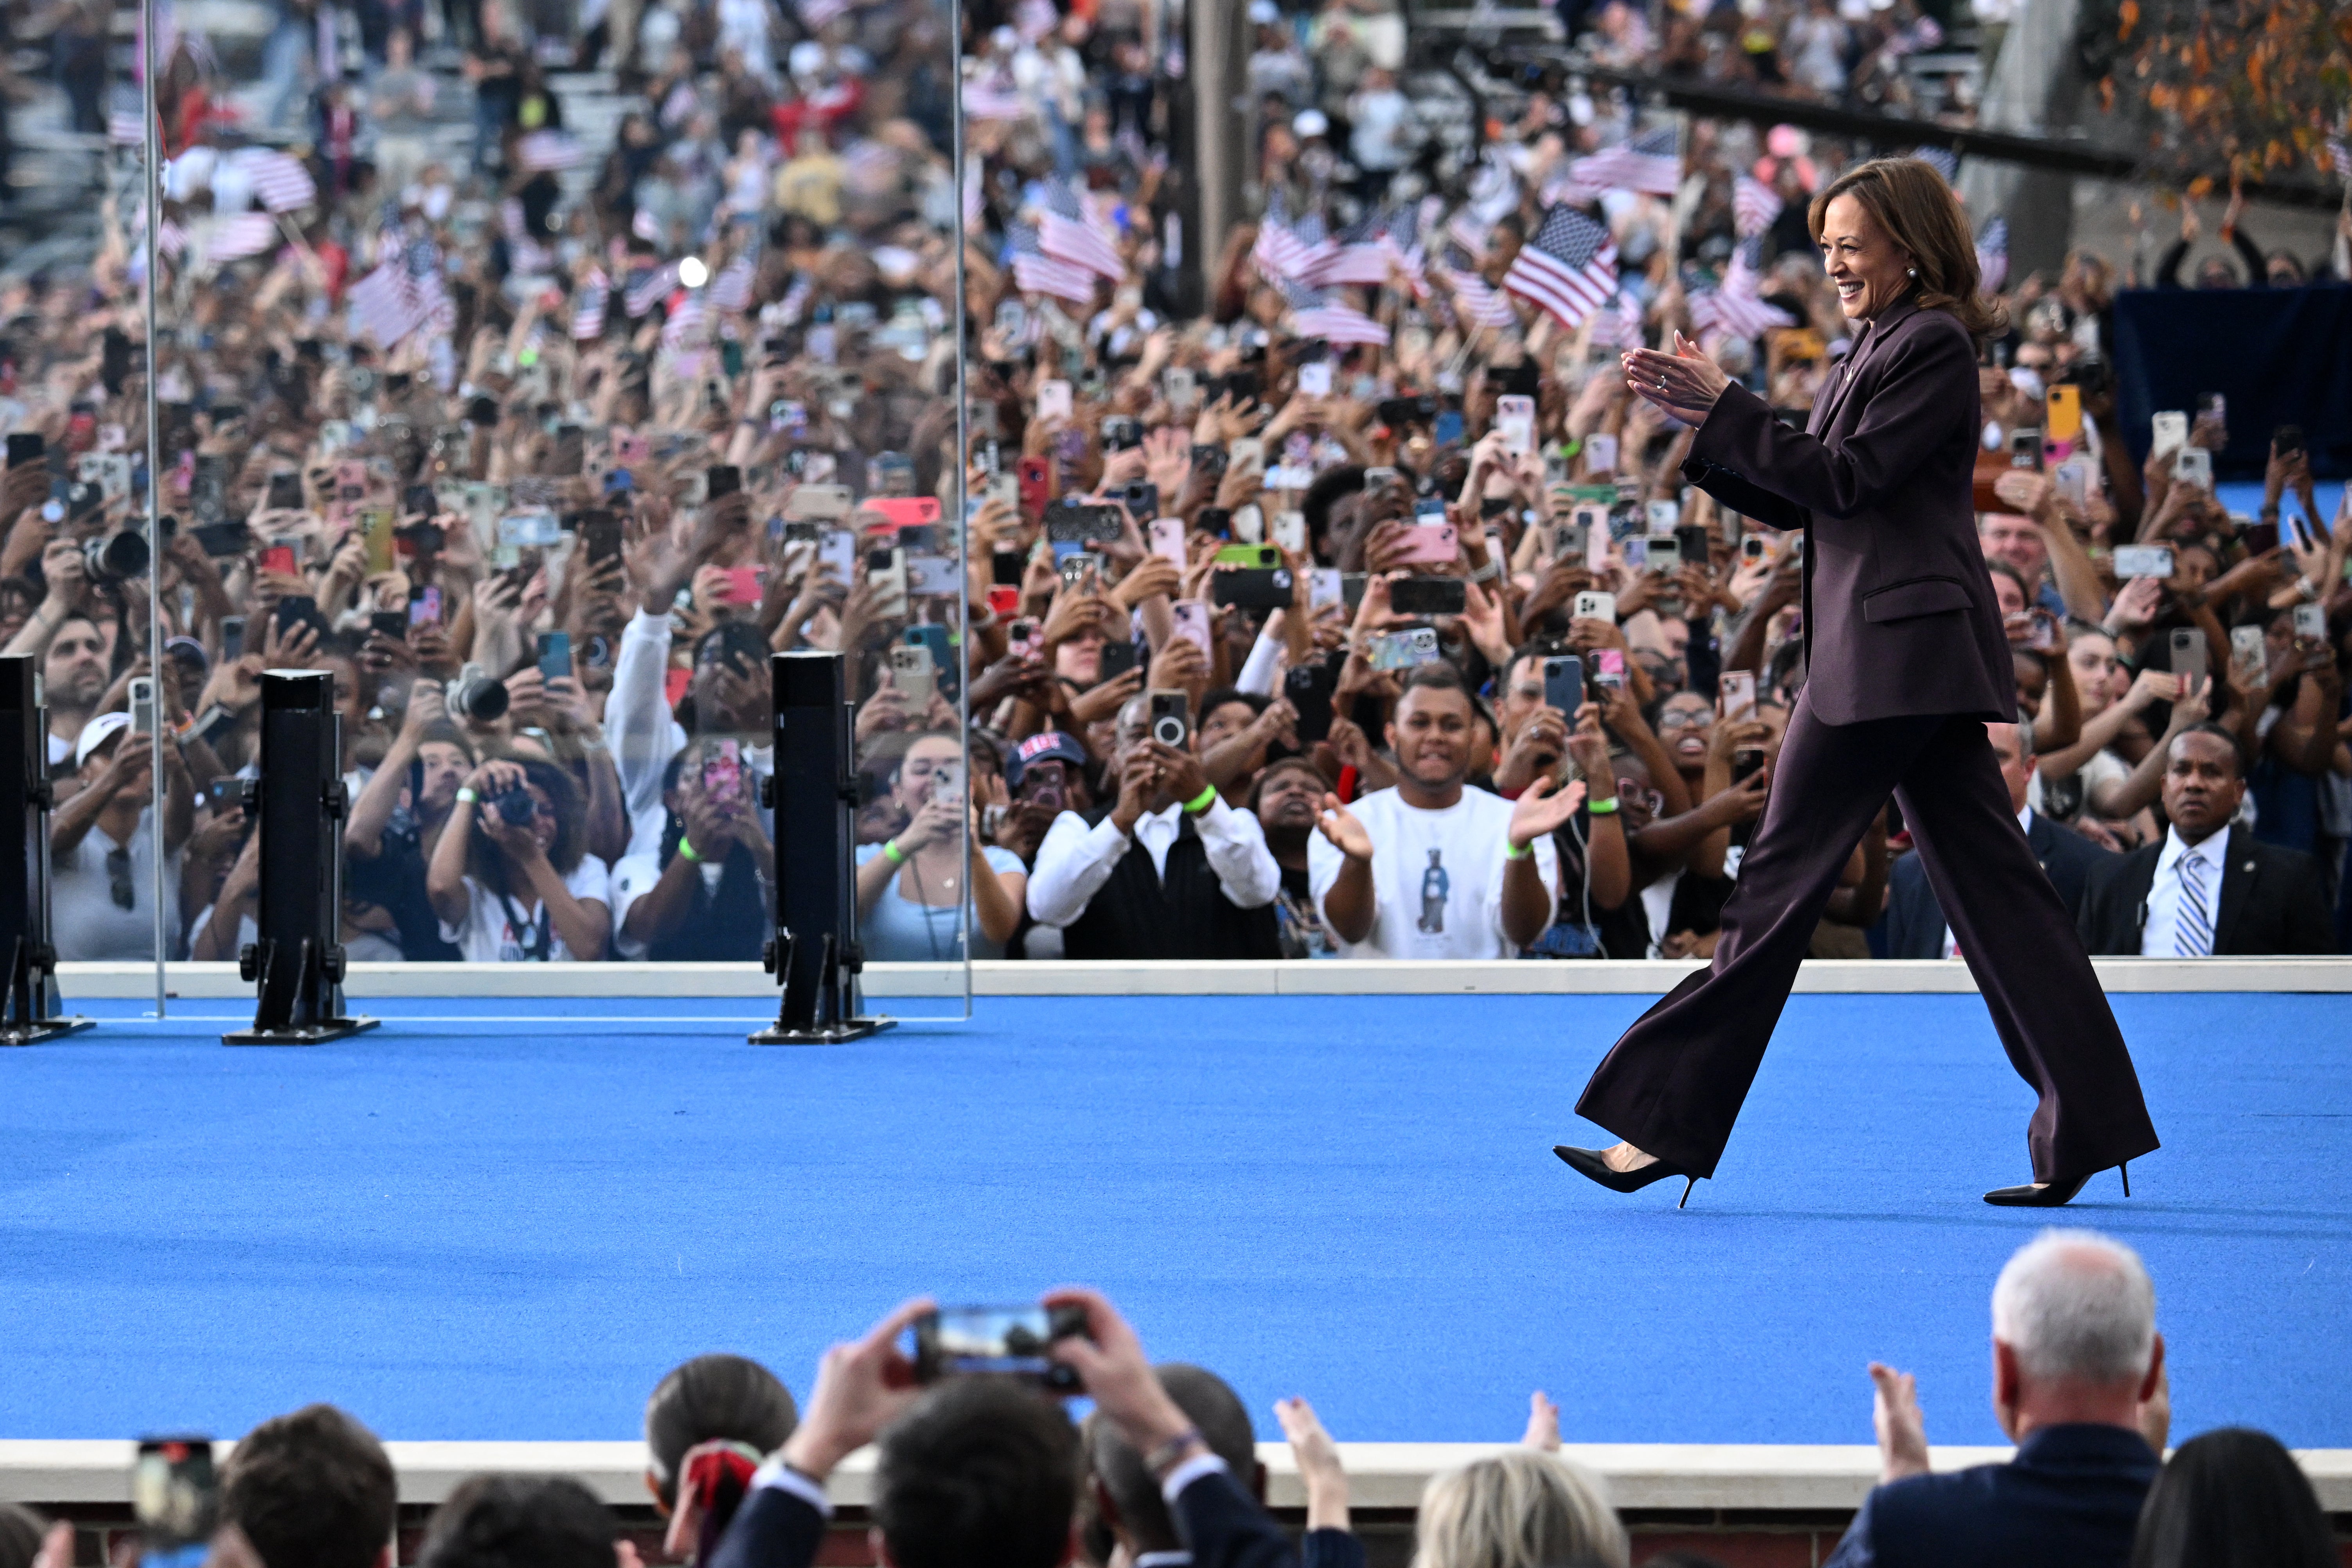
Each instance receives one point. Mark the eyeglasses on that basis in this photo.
(118, 886)
(1629, 789)
(1685, 718)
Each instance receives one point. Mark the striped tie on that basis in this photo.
(2192, 922)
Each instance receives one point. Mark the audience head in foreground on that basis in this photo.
(2233, 1499)
(708, 1426)
(980, 1472)
(523, 1521)
(1126, 1495)
(1519, 1508)
(311, 1489)
(2073, 1335)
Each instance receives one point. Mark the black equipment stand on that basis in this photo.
(298, 960)
(814, 954)
(28, 1016)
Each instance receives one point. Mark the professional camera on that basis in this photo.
(474, 695)
(115, 558)
(515, 807)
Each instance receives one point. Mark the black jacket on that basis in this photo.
(2271, 902)
(1915, 921)
(2070, 1499)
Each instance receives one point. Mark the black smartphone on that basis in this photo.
(600, 534)
(1071, 522)
(483, 410)
(1697, 547)
(1745, 764)
(1004, 1342)
(1121, 433)
(1005, 568)
(1142, 498)
(232, 637)
(417, 500)
(2287, 440)
(285, 492)
(571, 450)
(722, 480)
(295, 610)
(1171, 722)
(392, 623)
(1564, 684)
(1209, 461)
(1309, 689)
(2260, 538)
(1252, 587)
(1399, 412)
(222, 539)
(27, 447)
(1428, 596)
(1216, 519)
(1117, 658)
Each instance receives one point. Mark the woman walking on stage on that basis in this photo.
(1905, 661)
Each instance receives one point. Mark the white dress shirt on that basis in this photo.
(1951, 942)
(1075, 860)
(2161, 936)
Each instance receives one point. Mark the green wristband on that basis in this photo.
(1202, 800)
(1511, 854)
(892, 853)
(685, 849)
(1601, 807)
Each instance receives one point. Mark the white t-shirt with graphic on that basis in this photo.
(1437, 876)
(490, 933)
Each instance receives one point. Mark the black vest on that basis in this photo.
(1183, 913)
(731, 923)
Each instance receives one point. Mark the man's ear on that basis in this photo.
(654, 1487)
(2005, 1381)
(2155, 1372)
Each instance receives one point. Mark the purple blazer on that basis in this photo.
(1900, 617)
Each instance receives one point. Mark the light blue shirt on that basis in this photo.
(901, 931)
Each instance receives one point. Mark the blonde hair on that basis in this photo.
(1519, 1508)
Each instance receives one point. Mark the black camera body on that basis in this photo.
(515, 807)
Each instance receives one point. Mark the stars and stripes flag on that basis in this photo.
(1754, 205)
(1619, 327)
(794, 304)
(731, 291)
(239, 236)
(1651, 164)
(687, 323)
(1035, 272)
(549, 152)
(1466, 229)
(1401, 240)
(588, 311)
(125, 128)
(279, 179)
(1939, 159)
(1567, 187)
(1480, 305)
(1735, 308)
(1315, 313)
(817, 14)
(975, 199)
(385, 304)
(1066, 233)
(1286, 251)
(1569, 267)
(1357, 257)
(646, 289)
(524, 253)
(1992, 256)
(987, 98)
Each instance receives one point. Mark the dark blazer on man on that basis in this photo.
(775, 1528)
(2071, 1499)
(1915, 922)
(2272, 901)
(1900, 617)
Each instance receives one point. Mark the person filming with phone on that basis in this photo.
(913, 888)
(702, 894)
(1906, 660)
(102, 844)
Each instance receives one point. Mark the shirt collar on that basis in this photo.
(2025, 817)
(1164, 1559)
(2209, 852)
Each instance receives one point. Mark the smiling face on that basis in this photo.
(1685, 723)
(1432, 736)
(1869, 269)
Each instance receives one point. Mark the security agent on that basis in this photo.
(2209, 888)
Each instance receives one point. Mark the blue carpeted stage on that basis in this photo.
(508, 1228)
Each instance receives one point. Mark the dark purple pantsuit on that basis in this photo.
(1906, 660)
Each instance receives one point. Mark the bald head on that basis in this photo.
(2076, 1306)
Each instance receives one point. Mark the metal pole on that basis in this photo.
(1217, 174)
(153, 182)
(969, 914)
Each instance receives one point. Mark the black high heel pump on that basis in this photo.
(1588, 1162)
(2050, 1195)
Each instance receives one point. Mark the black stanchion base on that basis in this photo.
(46, 1030)
(317, 1034)
(839, 1034)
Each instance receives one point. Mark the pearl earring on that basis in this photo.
(1911, 272)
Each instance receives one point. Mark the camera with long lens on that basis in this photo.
(515, 807)
(474, 695)
(115, 558)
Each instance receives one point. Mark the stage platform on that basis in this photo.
(503, 1218)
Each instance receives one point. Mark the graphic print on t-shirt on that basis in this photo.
(1435, 886)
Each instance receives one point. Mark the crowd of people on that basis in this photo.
(1358, 593)
(988, 1467)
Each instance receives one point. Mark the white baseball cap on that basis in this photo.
(97, 733)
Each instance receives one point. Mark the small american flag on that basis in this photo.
(1940, 160)
(732, 290)
(1650, 164)
(1034, 272)
(985, 98)
(1315, 314)
(1992, 256)
(1567, 187)
(1465, 229)
(1358, 258)
(588, 311)
(242, 235)
(687, 324)
(1066, 233)
(1481, 305)
(1735, 310)
(385, 306)
(281, 181)
(1401, 240)
(1283, 252)
(647, 289)
(549, 152)
(1754, 205)
(1569, 268)
(125, 128)
(1619, 327)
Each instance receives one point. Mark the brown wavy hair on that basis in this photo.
(1921, 212)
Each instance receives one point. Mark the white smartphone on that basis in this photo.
(1515, 417)
(1168, 541)
(2168, 431)
(817, 502)
(1595, 606)
(2248, 655)
(1249, 524)
(2193, 466)
(1053, 400)
(1249, 449)
(912, 673)
(142, 706)
(1192, 621)
(1665, 553)
(886, 571)
(1315, 380)
(1290, 531)
(1600, 455)
(1666, 516)
(2143, 561)
(2311, 623)
(1324, 587)
(1737, 690)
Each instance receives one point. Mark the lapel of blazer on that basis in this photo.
(1849, 371)
(2238, 876)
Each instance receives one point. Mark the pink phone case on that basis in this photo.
(1428, 544)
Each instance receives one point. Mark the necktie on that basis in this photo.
(2192, 922)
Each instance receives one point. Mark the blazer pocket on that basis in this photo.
(1915, 596)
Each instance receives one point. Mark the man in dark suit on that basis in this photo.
(2207, 889)
(2078, 1384)
(1906, 659)
(1915, 922)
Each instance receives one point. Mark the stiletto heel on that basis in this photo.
(2048, 1194)
(2126, 1169)
(1687, 1184)
(1589, 1163)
